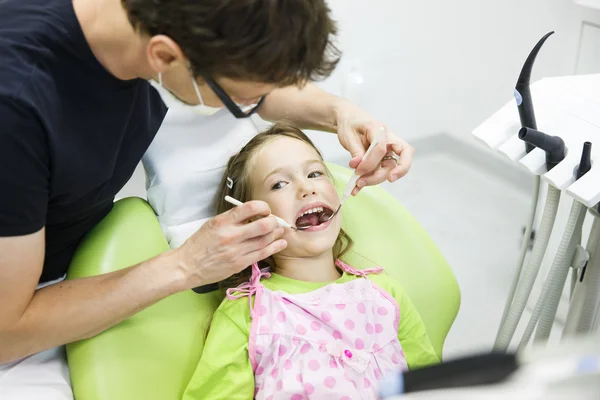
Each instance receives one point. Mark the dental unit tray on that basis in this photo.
(568, 107)
(557, 141)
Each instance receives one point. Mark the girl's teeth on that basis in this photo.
(314, 210)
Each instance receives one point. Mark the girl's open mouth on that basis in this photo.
(313, 218)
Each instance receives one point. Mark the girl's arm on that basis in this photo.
(418, 350)
(224, 370)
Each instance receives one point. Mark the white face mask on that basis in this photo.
(171, 101)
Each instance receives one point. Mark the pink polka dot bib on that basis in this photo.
(334, 343)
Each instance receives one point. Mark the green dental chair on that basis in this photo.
(152, 355)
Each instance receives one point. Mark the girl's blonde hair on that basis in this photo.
(237, 171)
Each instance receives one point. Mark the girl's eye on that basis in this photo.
(315, 174)
(278, 185)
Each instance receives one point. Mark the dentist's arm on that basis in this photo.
(33, 321)
(310, 107)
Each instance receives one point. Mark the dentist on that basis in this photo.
(77, 113)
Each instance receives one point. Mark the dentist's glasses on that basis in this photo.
(229, 103)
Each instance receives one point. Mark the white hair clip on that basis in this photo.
(229, 183)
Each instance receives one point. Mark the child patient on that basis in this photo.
(303, 324)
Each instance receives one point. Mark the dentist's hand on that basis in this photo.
(228, 243)
(356, 130)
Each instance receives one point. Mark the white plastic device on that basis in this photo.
(568, 107)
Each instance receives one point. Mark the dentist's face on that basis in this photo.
(289, 175)
(178, 80)
(164, 56)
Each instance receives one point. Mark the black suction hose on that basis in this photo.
(523, 93)
(554, 146)
(586, 160)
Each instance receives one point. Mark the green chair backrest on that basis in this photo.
(153, 354)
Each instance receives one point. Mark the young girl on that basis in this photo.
(303, 324)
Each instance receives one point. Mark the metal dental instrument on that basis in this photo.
(352, 182)
(280, 221)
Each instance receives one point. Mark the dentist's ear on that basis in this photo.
(163, 53)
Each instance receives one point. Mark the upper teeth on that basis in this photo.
(312, 210)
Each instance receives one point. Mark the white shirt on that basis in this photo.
(185, 164)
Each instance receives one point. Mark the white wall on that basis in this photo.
(444, 66)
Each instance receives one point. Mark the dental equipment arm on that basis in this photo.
(555, 153)
(585, 303)
(577, 217)
(529, 274)
(584, 166)
(523, 92)
(591, 301)
(547, 303)
(524, 102)
(523, 250)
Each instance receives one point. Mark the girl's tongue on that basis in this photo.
(314, 219)
(308, 220)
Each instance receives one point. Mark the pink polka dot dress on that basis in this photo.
(334, 343)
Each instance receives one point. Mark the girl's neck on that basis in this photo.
(320, 268)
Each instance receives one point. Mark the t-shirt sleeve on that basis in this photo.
(24, 171)
(418, 350)
(224, 370)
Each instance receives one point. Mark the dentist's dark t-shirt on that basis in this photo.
(71, 134)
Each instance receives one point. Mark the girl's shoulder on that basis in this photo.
(388, 283)
(237, 310)
(233, 305)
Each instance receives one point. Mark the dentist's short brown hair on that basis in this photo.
(282, 42)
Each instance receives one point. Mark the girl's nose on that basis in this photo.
(306, 189)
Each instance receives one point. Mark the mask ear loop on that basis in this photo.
(197, 89)
(230, 183)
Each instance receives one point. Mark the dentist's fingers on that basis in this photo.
(257, 228)
(377, 176)
(392, 170)
(388, 163)
(353, 138)
(373, 160)
(226, 244)
(250, 210)
(261, 242)
(264, 252)
(405, 154)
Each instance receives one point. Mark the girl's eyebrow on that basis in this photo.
(276, 170)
